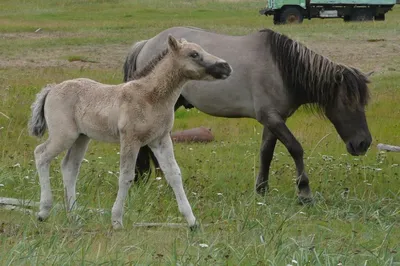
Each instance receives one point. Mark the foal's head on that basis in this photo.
(196, 63)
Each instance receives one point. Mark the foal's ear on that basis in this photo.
(173, 43)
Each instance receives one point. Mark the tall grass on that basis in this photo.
(355, 218)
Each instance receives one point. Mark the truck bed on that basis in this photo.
(354, 2)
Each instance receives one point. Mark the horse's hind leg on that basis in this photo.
(266, 154)
(70, 168)
(163, 150)
(44, 154)
(278, 127)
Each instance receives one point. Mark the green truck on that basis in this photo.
(294, 11)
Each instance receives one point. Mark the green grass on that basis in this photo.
(358, 228)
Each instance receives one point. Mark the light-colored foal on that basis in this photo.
(136, 113)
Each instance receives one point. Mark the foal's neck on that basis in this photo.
(164, 83)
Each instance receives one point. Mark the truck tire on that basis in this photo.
(362, 15)
(277, 18)
(291, 15)
(380, 17)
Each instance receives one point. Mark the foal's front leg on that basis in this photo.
(128, 154)
(163, 150)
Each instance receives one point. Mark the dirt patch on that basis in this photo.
(379, 56)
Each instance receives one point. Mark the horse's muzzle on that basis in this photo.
(357, 148)
(220, 70)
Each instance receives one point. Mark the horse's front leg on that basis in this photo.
(266, 154)
(163, 150)
(128, 154)
(277, 126)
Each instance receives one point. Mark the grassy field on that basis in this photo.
(91, 38)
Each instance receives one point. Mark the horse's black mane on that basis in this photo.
(145, 70)
(316, 76)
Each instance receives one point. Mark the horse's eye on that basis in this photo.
(194, 55)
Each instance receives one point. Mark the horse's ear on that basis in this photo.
(369, 74)
(173, 43)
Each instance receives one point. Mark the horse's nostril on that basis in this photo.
(363, 146)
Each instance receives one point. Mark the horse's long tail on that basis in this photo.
(130, 62)
(37, 124)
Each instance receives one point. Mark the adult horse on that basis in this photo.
(273, 76)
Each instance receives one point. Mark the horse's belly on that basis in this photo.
(219, 99)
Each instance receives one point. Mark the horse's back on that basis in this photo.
(231, 97)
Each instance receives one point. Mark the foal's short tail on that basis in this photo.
(37, 124)
(130, 62)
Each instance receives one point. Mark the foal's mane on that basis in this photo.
(150, 66)
(316, 76)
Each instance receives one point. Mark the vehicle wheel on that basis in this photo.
(277, 20)
(380, 17)
(291, 15)
(362, 15)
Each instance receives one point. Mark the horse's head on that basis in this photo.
(347, 111)
(196, 63)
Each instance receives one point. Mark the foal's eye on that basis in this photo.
(194, 55)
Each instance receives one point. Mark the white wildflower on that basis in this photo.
(99, 157)
(202, 245)
(295, 262)
(110, 172)
(16, 165)
(219, 194)
(1, 185)
(85, 160)
(26, 177)
(158, 178)
(260, 203)
(190, 149)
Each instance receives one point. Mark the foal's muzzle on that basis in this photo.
(220, 70)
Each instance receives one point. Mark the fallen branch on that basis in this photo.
(385, 147)
(18, 202)
(26, 205)
(170, 225)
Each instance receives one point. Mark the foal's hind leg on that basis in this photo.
(129, 151)
(44, 154)
(70, 168)
(163, 150)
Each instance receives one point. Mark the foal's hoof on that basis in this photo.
(41, 217)
(194, 228)
(117, 225)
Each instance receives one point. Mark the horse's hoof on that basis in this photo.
(305, 200)
(262, 190)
